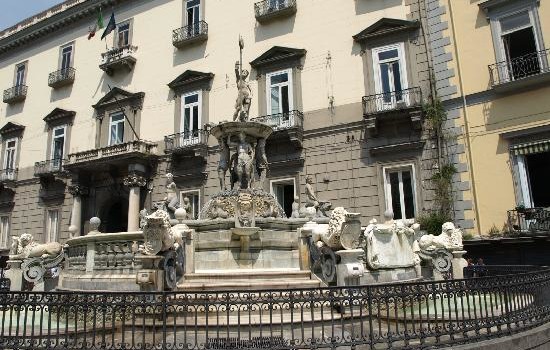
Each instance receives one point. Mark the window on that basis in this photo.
(10, 158)
(400, 191)
(194, 202)
(193, 11)
(190, 117)
(123, 35)
(518, 45)
(284, 191)
(534, 169)
(66, 57)
(58, 145)
(52, 225)
(279, 92)
(4, 231)
(116, 129)
(20, 71)
(390, 76)
(277, 4)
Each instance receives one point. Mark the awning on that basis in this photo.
(530, 147)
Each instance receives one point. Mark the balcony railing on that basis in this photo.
(189, 34)
(119, 57)
(529, 221)
(48, 167)
(269, 9)
(127, 149)
(185, 140)
(519, 68)
(282, 121)
(61, 77)
(392, 101)
(8, 175)
(15, 94)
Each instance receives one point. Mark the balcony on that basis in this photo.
(190, 34)
(529, 221)
(531, 69)
(290, 124)
(118, 58)
(194, 142)
(268, 10)
(49, 168)
(8, 177)
(15, 94)
(61, 77)
(389, 105)
(120, 153)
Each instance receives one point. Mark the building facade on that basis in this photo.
(500, 73)
(91, 127)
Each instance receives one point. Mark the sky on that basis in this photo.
(14, 11)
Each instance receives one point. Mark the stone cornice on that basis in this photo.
(51, 20)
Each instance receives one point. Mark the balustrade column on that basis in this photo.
(135, 182)
(77, 191)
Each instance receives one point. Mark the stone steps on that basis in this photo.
(248, 280)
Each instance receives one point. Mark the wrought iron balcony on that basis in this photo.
(407, 102)
(15, 94)
(8, 177)
(269, 9)
(194, 141)
(49, 167)
(61, 77)
(121, 151)
(529, 221)
(118, 58)
(192, 33)
(530, 65)
(290, 123)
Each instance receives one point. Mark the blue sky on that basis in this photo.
(14, 11)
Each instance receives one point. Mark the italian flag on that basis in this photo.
(98, 25)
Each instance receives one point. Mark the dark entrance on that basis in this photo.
(116, 216)
(538, 166)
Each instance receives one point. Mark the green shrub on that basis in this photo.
(432, 222)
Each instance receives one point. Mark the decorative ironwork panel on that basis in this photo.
(519, 68)
(15, 94)
(392, 101)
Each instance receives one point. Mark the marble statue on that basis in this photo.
(262, 165)
(449, 239)
(244, 210)
(172, 198)
(217, 211)
(242, 105)
(245, 163)
(158, 234)
(295, 208)
(321, 207)
(233, 164)
(223, 164)
(28, 248)
(142, 215)
(187, 207)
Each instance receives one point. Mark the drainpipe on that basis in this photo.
(466, 123)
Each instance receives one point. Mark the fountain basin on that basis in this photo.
(244, 234)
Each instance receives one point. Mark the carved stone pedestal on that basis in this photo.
(350, 269)
(15, 274)
(150, 277)
(459, 263)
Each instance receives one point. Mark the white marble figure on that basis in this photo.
(172, 198)
(321, 207)
(158, 234)
(187, 207)
(295, 208)
(28, 248)
(242, 104)
(223, 164)
(262, 166)
(245, 163)
(449, 239)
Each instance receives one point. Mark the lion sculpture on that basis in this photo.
(159, 235)
(26, 248)
(449, 239)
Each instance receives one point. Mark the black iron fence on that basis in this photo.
(529, 221)
(267, 7)
(281, 121)
(392, 100)
(16, 93)
(185, 139)
(48, 167)
(117, 53)
(498, 270)
(61, 76)
(190, 31)
(519, 68)
(397, 316)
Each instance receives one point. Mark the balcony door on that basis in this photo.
(519, 46)
(193, 11)
(58, 147)
(20, 75)
(279, 98)
(190, 118)
(66, 57)
(390, 76)
(9, 158)
(116, 127)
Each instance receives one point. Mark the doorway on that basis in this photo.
(284, 191)
(538, 167)
(116, 216)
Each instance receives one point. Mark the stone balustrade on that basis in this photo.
(127, 149)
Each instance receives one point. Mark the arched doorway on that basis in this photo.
(116, 216)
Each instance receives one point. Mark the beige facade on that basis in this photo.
(498, 75)
(308, 78)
